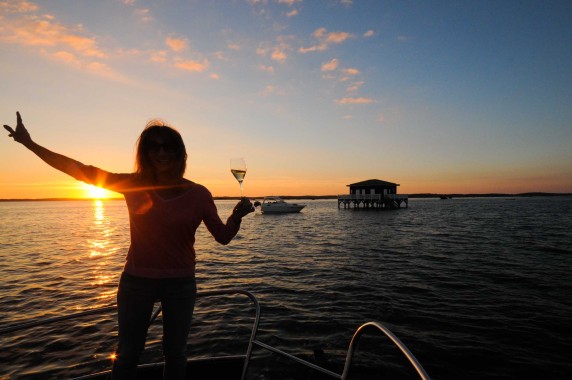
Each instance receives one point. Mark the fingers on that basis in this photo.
(9, 129)
(244, 207)
(18, 123)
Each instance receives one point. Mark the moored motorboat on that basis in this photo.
(230, 366)
(276, 205)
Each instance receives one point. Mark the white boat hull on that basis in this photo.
(275, 205)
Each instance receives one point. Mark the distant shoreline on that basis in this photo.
(314, 197)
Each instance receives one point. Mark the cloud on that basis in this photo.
(18, 6)
(337, 37)
(42, 31)
(96, 68)
(66, 57)
(330, 66)
(279, 55)
(280, 52)
(21, 25)
(325, 39)
(268, 69)
(350, 71)
(159, 56)
(144, 14)
(176, 44)
(331, 71)
(262, 51)
(292, 13)
(359, 100)
(354, 87)
(319, 47)
(192, 65)
(289, 2)
(369, 33)
(256, 2)
(271, 90)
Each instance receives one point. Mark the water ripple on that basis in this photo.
(476, 288)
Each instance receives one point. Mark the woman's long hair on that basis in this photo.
(143, 165)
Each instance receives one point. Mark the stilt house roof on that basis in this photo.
(373, 182)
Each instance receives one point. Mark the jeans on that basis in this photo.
(135, 299)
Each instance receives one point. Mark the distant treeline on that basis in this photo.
(315, 197)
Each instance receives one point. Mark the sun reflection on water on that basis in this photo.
(100, 247)
(99, 211)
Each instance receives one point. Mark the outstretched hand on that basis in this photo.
(242, 208)
(20, 134)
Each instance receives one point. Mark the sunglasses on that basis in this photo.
(168, 147)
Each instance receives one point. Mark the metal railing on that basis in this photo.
(252, 341)
(371, 197)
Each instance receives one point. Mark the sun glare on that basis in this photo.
(96, 192)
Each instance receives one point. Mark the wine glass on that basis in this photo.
(238, 170)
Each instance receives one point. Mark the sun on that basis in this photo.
(96, 192)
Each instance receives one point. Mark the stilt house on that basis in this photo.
(373, 193)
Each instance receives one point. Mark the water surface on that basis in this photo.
(477, 287)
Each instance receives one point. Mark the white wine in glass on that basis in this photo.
(238, 170)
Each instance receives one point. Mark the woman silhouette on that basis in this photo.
(165, 210)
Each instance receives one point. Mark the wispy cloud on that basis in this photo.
(144, 14)
(192, 65)
(278, 52)
(22, 24)
(256, 2)
(292, 13)
(271, 90)
(22, 6)
(354, 87)
(331, 65)
(348, 74)
(176, 44)
(325, 39)
(369, 33)
(289, 2)
(44, 31)
(268, 69)
(360, 100)
(159, 56)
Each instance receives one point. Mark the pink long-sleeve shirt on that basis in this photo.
(163, 230)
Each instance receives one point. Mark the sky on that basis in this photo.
(436, 96)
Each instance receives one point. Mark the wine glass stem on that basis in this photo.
(241, 189)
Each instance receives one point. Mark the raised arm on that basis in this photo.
(55, 160)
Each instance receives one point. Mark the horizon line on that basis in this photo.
(227, 197)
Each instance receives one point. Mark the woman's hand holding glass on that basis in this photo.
(242, 208)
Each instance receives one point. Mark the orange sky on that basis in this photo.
(405, 93)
